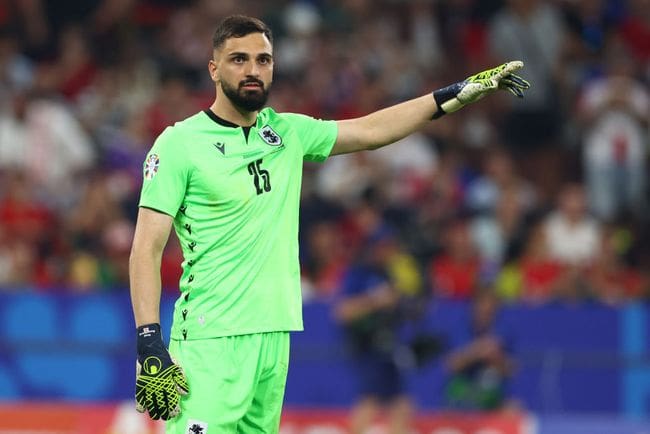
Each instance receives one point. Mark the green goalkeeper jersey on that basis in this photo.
(234, 195)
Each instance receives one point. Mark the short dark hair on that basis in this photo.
(238, 26)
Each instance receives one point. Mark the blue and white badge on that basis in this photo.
(151, 166)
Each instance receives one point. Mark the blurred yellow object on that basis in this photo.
(405, 274)
(509, 282)
(84, 271)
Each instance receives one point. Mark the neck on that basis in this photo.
(225, 109)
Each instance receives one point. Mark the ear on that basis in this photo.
(213, 69)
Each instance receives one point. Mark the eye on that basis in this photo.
(238, 59)
(264, 60)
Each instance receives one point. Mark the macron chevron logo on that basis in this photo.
(221, 147)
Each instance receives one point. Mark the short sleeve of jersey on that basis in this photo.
(316, 136)
(165, 175)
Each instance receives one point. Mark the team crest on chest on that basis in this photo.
(270, 137)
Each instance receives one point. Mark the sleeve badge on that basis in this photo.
(151, 166)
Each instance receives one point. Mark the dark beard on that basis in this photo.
(250, 101)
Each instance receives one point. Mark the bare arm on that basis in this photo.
(353, 308)
(487, 349)
(151, 234)
(396, 122)
(384, 126)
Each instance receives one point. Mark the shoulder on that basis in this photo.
(175, 135)
(197, 120)
(271, 117)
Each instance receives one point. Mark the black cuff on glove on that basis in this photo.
(443, 95)
(150, 340)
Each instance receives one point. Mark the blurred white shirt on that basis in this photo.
(572, 243)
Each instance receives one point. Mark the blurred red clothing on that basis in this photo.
(616, 283)
(25, 220)
(454, 279)
(636, 35)
(539, 279)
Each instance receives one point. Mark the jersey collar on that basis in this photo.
(222, 121)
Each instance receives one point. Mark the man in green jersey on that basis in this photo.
(228, 180)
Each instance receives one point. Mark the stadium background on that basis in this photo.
(476, 202)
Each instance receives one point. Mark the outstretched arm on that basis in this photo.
(396, 122)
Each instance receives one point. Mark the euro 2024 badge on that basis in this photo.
(151, 166)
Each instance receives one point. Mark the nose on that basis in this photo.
(253, 69)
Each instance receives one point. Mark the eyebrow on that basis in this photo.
(241, 53)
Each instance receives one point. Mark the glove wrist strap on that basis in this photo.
(446, 99)
(149, 337)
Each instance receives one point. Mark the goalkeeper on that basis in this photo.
(228, 180)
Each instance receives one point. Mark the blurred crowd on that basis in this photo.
(539, 200)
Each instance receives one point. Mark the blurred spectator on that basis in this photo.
(293, 50)
(347, 177)
(42, 137)
(480, 364)
(499, 175)
(189, 27)
(634, 30)
(374, 291)
(16, 69)
(610, 279)
(615, 111)
(573, 238)
(30, 22)
(75, 68)
(116, 247)
(533, 31)
(326, 262)
(499, 236)
(536, 277)
(26, 228)
(120, 89)
(426, 47)
(438, 206)
(174, 101)
(456, 272)
(96, 210)
(589, 26)
(411, 166)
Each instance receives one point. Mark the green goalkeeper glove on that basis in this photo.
(454, 97)
(159, 381)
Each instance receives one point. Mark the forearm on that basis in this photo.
(460, 359)
(144, 277)
(386, 126)
(354, 308)
(151, 233)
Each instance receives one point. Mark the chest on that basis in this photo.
(230, 168)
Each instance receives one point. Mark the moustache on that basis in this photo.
(243, 83)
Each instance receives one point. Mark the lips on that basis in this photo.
(252, 85)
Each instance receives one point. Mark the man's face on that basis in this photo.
(243, 68)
